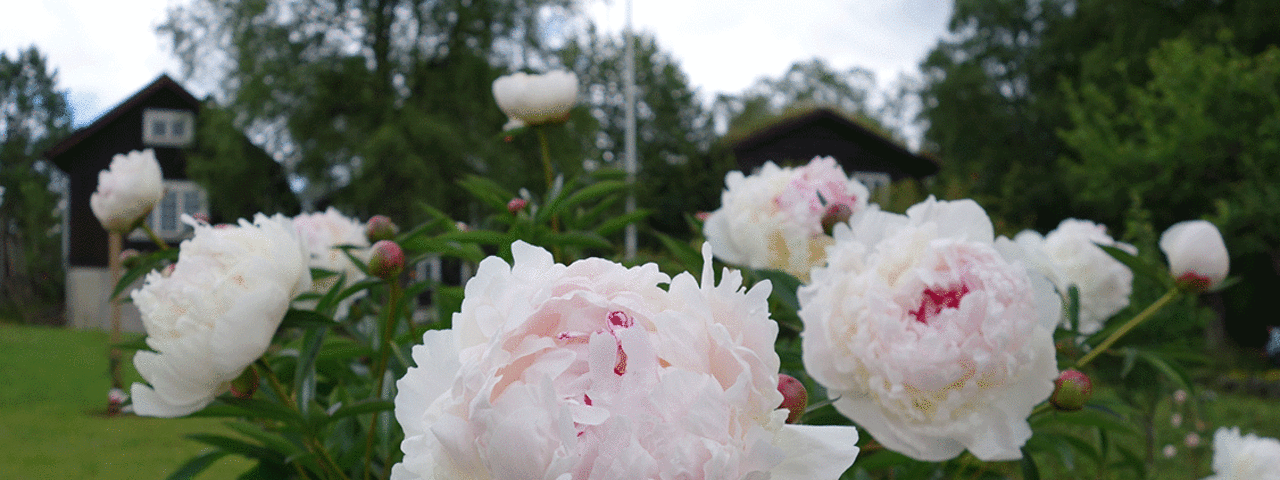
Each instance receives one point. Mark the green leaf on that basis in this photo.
(485, 237)
(784, 287)
(364, 406)
(593, 192)
(614, 224)
(228, 406)
(1173, 372)
(684, 253)
(582, 239)
(238, 446)
(1073, 308)
(306, 372)
(145, 264)
(196, 465)
(487, 191)
(321, 273)
(270, 440)
(1029, 469)
(305, 319)
(1140, 266)
(139, 343)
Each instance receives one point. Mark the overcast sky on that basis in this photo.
(106, 50)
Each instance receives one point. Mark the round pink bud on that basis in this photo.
(244, 386)
(516, 205)
(702, 216)
(794, 397)
(386, 260)
(380, 227)
(836, 213)
(1071, 390)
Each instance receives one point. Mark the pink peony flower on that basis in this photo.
(773, 219)
(216, 313)
(927, 337)
(596, 371)
(322, 233)
(127, 190)
(1068, 256)
(1197, 255)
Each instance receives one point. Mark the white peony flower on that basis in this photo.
(1197, 254)
(127, 190)
(927, 337)
(1068, 256)
(216, 312)
(1247, 457)
(321, 233)
(536, 99)
(595, 371)
(773, 219)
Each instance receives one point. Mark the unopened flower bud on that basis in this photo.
(794, 397)
(379, 228)
(1071, 390)
(836, 213)
(1197, 255)
(244, 386)
(516, 205)
(386, 260)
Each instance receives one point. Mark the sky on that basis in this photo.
(104, 51)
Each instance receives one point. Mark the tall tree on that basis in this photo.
(33, 113)
(376, 103)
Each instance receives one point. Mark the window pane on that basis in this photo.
(179, 128)
(169, 212)
(191, 202)
(158, 128)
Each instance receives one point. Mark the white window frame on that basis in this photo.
(180, 197)
(158, 126)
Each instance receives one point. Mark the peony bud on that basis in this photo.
(386, 260)
(127, 190)
(1197, 255)
(1071, 390)
(516, 205)
(244, 386)
(794, 397)
(380, 227)
(836, 213)
(530, 100)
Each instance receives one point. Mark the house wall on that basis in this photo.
(87, 307)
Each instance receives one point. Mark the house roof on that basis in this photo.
(163, 82)
(792, 125)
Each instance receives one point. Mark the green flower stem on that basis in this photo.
(389, 321)
(154, 238)
(547, 171)
(312, 443)
(1130, 325)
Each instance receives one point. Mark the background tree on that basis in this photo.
(33, 114)
(241, 179)
(673, 130)
(375, 103)
(1197, 140)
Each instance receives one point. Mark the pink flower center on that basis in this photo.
(1194, 281)
(614, 321)
(935, 300)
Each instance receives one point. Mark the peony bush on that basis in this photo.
(957, 353)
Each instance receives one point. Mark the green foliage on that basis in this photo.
(33, 114)
(241, 179)
(371, 103)
(1197, 140)
(677, 175)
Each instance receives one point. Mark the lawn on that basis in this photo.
(53, 390)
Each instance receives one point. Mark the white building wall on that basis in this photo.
(87, 307)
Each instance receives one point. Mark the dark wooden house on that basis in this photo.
(821, 132)
(160, 117)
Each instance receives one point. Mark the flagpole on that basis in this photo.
(629, 89)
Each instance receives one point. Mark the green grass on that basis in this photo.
(53, 396)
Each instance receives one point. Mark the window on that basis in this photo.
(180, 197)
(163, 127)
